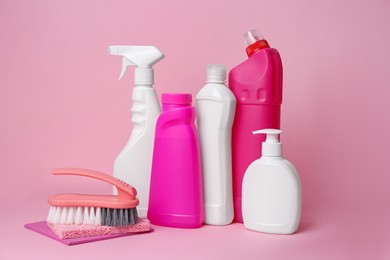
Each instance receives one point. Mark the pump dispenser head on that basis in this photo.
(271, 146)
(142, 57)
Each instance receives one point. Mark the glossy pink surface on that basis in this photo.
(176, 197)
(257, 85)
(126, 197)
(62, 106)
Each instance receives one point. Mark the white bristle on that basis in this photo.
(57, 216)
(79, 216)
(75, 215)
(98, 217)
(49, 216)
(86, 216)
(64, 215)
(70, 218)
(52, 214)
(91, 220)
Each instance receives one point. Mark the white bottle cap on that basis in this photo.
(271, 146)
(216, 73)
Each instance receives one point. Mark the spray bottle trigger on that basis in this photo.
(125, 64)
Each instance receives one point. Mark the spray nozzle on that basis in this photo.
(271, 146)
(142, 57)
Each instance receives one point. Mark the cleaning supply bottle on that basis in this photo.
(271, 190)
(133, 164)
(257, 86)
(176, 198)
(215, 106)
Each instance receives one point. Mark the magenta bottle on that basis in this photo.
(257, 86)
(176, 197)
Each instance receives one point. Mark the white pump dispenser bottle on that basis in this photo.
(215, 107)
(271, 190)
(133, 164)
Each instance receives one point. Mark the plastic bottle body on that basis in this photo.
(215, 106)
(176, 198)
(271, 198)
(133, 164)
(257, 86)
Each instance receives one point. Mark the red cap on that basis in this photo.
(254, 41)
(254, 47)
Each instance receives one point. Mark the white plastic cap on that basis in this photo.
(271, 146)
(252, 36)
(216, 73)
(143, 57)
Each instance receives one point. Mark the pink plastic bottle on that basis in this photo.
(176, 198)
(257, 86)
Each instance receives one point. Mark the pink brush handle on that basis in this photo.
(125, 190)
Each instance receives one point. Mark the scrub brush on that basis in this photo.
(97, 210)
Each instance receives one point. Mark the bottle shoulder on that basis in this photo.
(281, 175)
(216, 92)
(270, 165)
(259, 79)
(176, 117)
(260, 58)
(146, 95)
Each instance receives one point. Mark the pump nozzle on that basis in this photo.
(271, 146)
(142, 57)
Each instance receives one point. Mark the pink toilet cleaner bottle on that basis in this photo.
(176, 197)
(257, 86)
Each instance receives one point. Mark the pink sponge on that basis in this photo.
(42, 228)
(77, 231)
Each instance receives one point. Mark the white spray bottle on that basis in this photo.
(215, 107)
(133, 164)
(271, 190)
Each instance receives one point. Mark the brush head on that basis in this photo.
(98, 210)
(92, 216)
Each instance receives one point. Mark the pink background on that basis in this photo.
(61, 105)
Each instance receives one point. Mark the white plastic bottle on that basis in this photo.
(271, 190)
(215, 108)
(133, 164)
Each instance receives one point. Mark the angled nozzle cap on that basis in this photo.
(254, 42)
(272, 146)
(252, 36)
